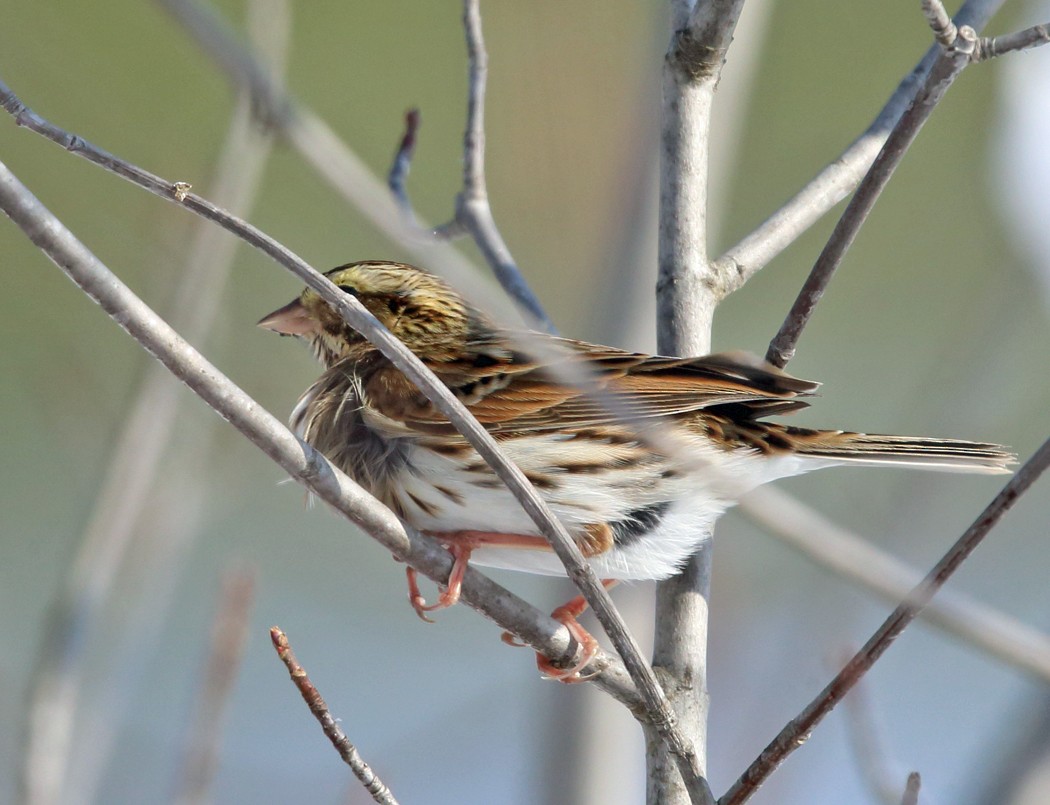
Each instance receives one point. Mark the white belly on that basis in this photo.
(437, 494)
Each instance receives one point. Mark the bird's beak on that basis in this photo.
(292, 319)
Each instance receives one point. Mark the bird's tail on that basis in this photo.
(949, 455)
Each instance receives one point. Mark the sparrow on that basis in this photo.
(638, 494)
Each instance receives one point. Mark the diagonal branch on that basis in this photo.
(799, 728)
(945, 70)
(839, 178)
(329, 724)
(858, 561)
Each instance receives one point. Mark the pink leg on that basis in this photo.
(460, 544)
(567, 613)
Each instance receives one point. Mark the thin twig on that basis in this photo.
(799, 728)
(347, 751)
(228, 638)
(859, 561)
(401, 165)
(329, 156)
(990, 47)
(473, 213)
(945, 70)
(911, 789)
(835, 181)
(940, 22)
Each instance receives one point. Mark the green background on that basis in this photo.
(933, 326)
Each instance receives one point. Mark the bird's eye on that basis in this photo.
(350, 289)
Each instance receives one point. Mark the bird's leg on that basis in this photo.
(567, 613)
(596, 540)
(461, 544)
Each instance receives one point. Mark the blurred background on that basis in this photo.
(937, 324)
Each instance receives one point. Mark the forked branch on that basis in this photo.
(799, 728)
(960, 46)
(473, 212)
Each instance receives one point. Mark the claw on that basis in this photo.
(450, 594)
(567, 614)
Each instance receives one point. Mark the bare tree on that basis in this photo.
(668, 697)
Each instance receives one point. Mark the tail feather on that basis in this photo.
(950, 455)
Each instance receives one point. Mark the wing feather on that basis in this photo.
(508, 391)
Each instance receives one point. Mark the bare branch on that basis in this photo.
(473, 213)
(799, 728)
(911, 789)
(399, 169)
(839, 178)
(990, 47)
(347, 751)
(859, 561)
(228, 638)
(940, 22)
(700, 36)
(330, 157)
(945, 70)
(401, 165)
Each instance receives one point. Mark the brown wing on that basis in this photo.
(508, 391)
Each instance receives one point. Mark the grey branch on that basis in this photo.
(944, 72)
(473, 211)
(990, 47)
(330, 157)
(312, 696)
(911, 789)
(859, 561)
(940, 22)
(742, 261)
(402, 164)
(700, 37)
(799, 728)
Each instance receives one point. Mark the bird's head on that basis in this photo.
(416, 306)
